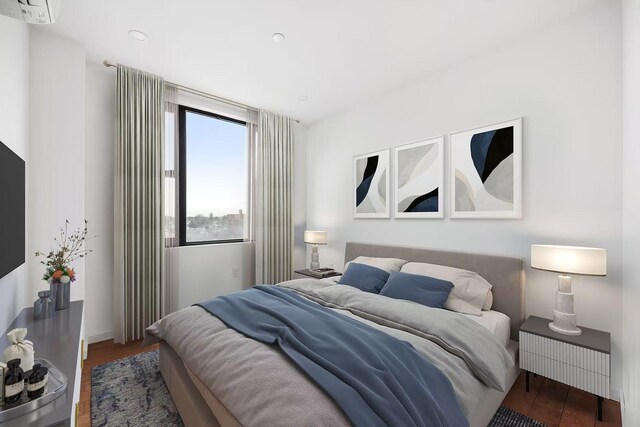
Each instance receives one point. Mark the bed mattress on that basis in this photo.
(259, 386)
(495, 322)
(199, 407)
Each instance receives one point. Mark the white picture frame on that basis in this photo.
(375, 202)
(485, 182)
(418, 171)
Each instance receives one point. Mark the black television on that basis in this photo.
(12, 210)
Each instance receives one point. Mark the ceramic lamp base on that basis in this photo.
(575, 332)
(315, 258)
(564, 316)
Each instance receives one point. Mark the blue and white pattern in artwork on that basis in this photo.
(371, 185)
(485, 172)
(419, 179)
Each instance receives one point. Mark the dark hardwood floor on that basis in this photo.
(549, 402)
(556, 404)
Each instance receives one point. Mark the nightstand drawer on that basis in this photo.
(582, 361)
(568, 354)
(574, 376)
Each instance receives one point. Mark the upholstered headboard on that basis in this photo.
(506, 274)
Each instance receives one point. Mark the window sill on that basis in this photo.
(212, 243)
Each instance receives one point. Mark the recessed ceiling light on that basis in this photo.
(139, 35)
(303, 98)
(277, 37)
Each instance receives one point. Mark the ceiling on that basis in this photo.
(336, 52)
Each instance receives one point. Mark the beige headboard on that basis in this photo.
(506, 274)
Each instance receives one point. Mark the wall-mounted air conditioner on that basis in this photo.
(31, 11)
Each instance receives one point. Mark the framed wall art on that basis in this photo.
(485, 171)
(371, 185)
(419, 179)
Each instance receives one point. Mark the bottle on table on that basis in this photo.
(37, 381)
(13, 382)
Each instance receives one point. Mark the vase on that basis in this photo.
(44, 307)
(61, 294)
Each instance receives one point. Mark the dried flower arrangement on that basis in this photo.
(70, 248)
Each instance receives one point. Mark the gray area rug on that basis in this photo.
(505, 417)
(131, 392)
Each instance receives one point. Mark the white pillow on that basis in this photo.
(469, 291)
(386, 264)
(488, 303)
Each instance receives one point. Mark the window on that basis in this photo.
(213, 172)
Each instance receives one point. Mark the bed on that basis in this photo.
(191, 386)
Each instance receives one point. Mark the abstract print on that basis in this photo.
(419, 179)
(371, 185)
(485, 168)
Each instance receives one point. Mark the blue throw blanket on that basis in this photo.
(375, 378)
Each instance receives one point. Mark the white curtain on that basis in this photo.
(139, 289)
(171, 189)
(273, 219)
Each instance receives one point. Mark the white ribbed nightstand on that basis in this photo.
(580, 361)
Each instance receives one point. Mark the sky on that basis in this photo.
(216, 166)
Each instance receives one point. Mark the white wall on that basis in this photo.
(565, 81)
(631, 207)
(14, 133)
(207, 271)
(56, 148)
(99, 167)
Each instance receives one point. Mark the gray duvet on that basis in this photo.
(261, 386)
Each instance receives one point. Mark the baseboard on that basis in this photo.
(100, 337)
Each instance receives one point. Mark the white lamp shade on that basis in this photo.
(315, 237)
(569, 259)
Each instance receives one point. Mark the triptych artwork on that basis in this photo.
(484, 176)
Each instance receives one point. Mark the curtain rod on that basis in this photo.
(108, 63)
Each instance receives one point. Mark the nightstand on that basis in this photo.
(303, 274)
(581, 361)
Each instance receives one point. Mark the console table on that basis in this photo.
(58, 339)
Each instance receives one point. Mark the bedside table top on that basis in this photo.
(305, 272)
(590, 338)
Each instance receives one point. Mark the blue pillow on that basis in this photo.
(424, 290)
(364, 277)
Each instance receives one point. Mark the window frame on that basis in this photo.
(182, 174)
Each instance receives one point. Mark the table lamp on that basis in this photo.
(315, 238)
(567, 260)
